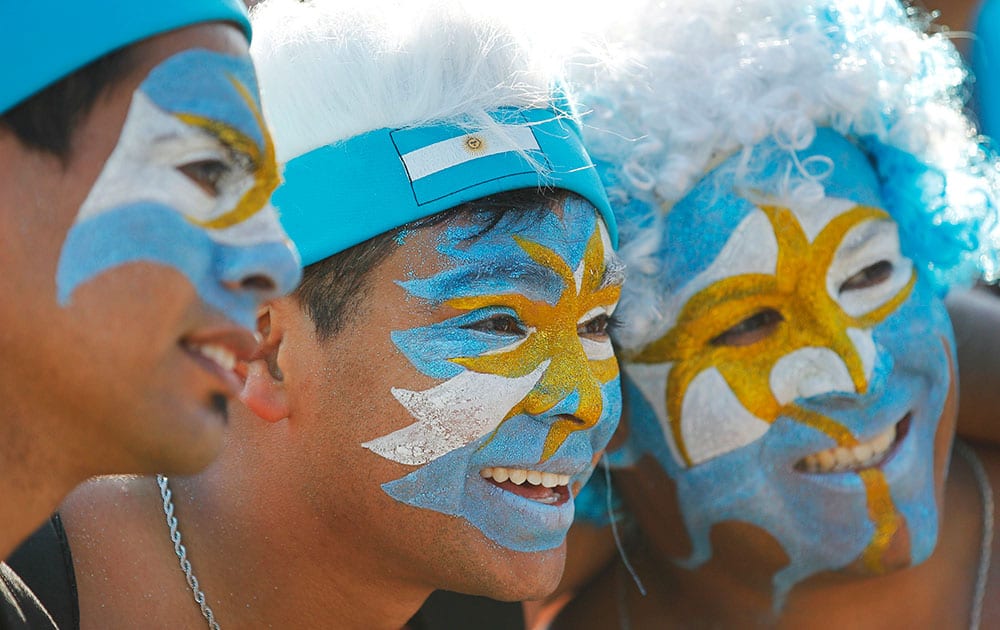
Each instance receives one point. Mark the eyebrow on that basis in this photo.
(869, 230)
(614, 272)
(529, 273)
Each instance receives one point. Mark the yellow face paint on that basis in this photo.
(797, 291)
(555, 339)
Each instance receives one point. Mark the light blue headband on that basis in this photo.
(46, 40)
(343, 194)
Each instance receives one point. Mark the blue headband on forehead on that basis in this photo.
(46, 40)
(343, 194)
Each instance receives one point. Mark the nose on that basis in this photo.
(570, 398)
(263, 271)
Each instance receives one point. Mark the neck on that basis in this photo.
(36, 470)
(259, 570)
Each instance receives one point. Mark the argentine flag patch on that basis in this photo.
(436, 158)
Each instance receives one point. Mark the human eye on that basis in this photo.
(498, 324)
(755, 328)
(595, 328)
(209, 174)
(870, 276)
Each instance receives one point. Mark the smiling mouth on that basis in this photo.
(217, 354)
(870, 454)
(535, 485)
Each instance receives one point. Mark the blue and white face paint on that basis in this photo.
(188, 186)
(529, 390)
(801, 367)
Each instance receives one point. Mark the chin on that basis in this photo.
(181, 445)
(519, 576)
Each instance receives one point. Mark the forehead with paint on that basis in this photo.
(801, 362)
(529, 389)
(188, 185)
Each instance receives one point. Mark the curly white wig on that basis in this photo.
(713, 78)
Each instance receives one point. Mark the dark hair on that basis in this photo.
(47, 120)
(333, 288)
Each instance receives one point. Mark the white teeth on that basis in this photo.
(520, 475)
(222, 356)
(844, 458)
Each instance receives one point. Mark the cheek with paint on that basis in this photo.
(188, 186)
(530, 388)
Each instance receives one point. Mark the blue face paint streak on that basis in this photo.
(451, 484)
(430, 348)
(201, 82)
(820, 519)
(149, 219)
(95, 246)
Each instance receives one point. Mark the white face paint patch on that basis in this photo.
(808, 372)
(651, 379)
(865, 346)
(714, 421)
(869, 252)
(751, 249)
(452, 414)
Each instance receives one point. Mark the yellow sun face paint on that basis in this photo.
(797, 293)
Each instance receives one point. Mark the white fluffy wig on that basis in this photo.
(707, 79)
(333, 69)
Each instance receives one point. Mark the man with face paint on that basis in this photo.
(138, 243)
(803, 192)
(427, 401)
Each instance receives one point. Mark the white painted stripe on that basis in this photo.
(454, 151)
(452, 414)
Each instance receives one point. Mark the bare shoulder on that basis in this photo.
(112, 527)
(107, 517)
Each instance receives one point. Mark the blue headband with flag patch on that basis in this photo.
(46, 40)
(343, 194)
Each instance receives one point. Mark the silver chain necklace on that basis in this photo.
(175, 537)
(986, 542)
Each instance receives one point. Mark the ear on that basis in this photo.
(264, 386)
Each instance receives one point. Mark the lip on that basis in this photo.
(540, 495)
(537, 493)
(821, 463)
(207, 345)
